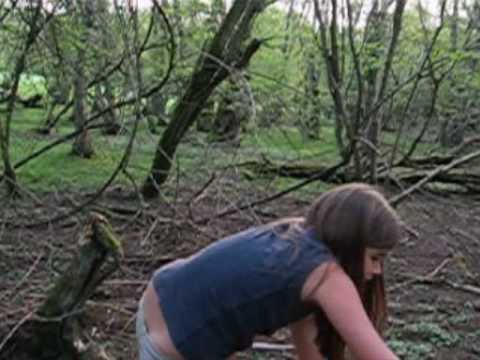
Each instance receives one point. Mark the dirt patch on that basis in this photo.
(432, 277)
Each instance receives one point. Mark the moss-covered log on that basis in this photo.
(297, 169)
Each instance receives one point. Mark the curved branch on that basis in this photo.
(357, 66)
(430, 114)
(323, 175)
(417, 81)
(172, 51)
(397, 27)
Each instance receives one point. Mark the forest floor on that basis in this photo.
(433, 277)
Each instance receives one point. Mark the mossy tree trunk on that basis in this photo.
(224, 53)
(56, 326)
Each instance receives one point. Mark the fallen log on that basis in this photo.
(437, 173)
(445, 169)
(469, 180)
(293, 169)
(441, 159)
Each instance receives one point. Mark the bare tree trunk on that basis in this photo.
(288, 20)
(454, 27)
(334, 77)
(58, 84)
(424, 62)
(224, 54)
(35, 25)
(113, 125)
(58, 94)
(106, 39)
(311, 113)
(82, 145)
(376, 120)
(374, 39)
(359, 108)
(177, 17)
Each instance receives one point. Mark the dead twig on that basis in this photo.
(464, 287)
(466, 235)
(15, 329)
(323, 175)
(260, 345)
(201, 193)
(435, 271)
(423, 278)
(126, 282)
(149, 232)
(25, 277)
(414, 233)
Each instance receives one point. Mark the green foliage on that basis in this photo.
(432, 333)
(409, 350)
(420, 340)
(192, 28)
(270, 60)
(31, 84)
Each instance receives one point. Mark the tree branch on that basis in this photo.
(395, 200)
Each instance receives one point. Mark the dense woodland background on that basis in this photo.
(132, 133)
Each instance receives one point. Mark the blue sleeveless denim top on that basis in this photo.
(250, 283)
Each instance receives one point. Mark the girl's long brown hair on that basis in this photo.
(348, 219)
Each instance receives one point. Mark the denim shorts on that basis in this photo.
(146, 348)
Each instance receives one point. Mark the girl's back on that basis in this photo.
(246, 284)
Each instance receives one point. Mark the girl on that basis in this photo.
(321, 275)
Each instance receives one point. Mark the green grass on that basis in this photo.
(287, 144)
(405, 143)
(196, 157)
(58, 168)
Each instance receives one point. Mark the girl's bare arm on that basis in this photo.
(304, 333)
(339, 299)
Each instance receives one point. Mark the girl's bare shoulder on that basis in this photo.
(317, 277)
